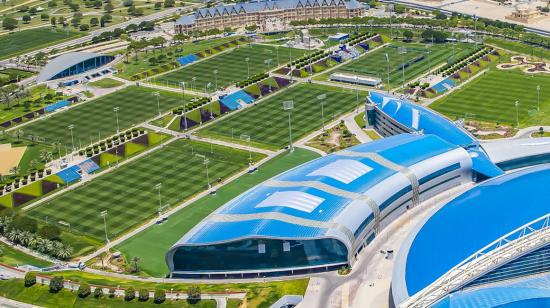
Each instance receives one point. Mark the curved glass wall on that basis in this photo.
(258, 254)
(84, 66)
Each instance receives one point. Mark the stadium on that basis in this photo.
(70, 68)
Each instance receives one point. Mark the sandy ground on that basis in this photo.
(10, 157)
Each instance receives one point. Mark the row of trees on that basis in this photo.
(24, 231)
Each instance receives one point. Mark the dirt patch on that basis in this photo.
(10, 157)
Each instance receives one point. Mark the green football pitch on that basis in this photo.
(231, 66)
(23, 41)
(152, 244)
(129, 194)
(420, 59)
(97, 118)
(267, 123)
(492, 96)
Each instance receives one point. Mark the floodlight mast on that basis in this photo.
(70, 127)
(403, 51)
(289, 105)
(104, 215)
(517, 112)
(322, 98)
(205, 162)
(247, 139)
(184, 105)
(538, 97)
(157, 94)
(158, 187)
(116, 115)
(388, 61)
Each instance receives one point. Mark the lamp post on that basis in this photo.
(322, 98)
(184, 105)
(289, 105)
(193, 82)
(116, 115)
(267, 63)
(517, 112)
(356, 93)
(216, 79)
(402, 52)
(158, 187)
(277, 50)
(208, 85)
(70, 127)
(538, 97)
(205, 162)
(390, 6)
(247, 59)
(247, 139)
(104, 215)
(475, 28)
(157, 94)
(388, 62)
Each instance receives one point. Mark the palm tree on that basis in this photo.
(5, 222)
(57, 247)
(46, 156)
(135, 260)
(14, 236)
(65, 252)
(19, 133)
(14, 170)
(33, 240)
(41, 245)
(25, 238)
(102, 257)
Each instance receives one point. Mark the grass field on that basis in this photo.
(106, 83)
(151, 244)
(129, 193)
(535, 52)
(374, 64)
(267, 123)
(97, 118)
(20, 42)
(231, 66)
(491, 98)
(13, 257)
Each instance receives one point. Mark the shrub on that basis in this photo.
(25, 224)
(112, 292)
(50, 232)
(30, 279)
(98, 292)
(193, 294)
(84, 290)
(56, 284)
(143, 295)
(129, 294)
(160, 296)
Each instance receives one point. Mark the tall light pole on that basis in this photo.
(104, 215)
(321, 98)
(208, 85)
(70, 127)
(247, 59)
(157, 94)
(402, 52)
(216, 79)
(356, 93)
(267, 63)
(289, 105)
(205, 162)
(475, 28)
(538, 97)
(277, 49)
(517, 112)
(158, 187)
(390, 6)
(184, 105)
(388, 62)
(247, 139)
(116, 115)
(193, 82)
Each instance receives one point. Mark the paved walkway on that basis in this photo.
(354, 128)
(10, 303)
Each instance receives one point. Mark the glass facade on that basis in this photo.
(259, 254)
(84, 66)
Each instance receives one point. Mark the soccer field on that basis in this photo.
(97, 118)
(491, 98)
(129, 194)
(152, 244)
(267, 123)
(231, 66)
(417, 55)
(23, 41)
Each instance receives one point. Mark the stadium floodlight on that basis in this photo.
(247, 139)
(538, 97)
(208, 86)
(475, 26)
(321, 98)
(104, 215)
(247, 59)
(267, 63)
(357, 93)
(157, 94)
(216, 78)
(277, 49)
(289, 105)
(193, 79)
(205, 162)
(517, 112)
(184, 105)
(158, 187)
(70, 127)
(116, 115)
(390, 7)
(402, 51)
(388, 62)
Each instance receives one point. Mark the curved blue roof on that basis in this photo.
(469, 222)
(419, 118)
(525, 293)
(318, 191)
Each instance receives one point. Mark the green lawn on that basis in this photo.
(20, 42)
(97, 118)
(491, 98)
(152, 244)
(267, 123)
(18, 107)
(536, 52)
(231, 66)
(13, 257)
(106, 83)
(129, 194)
(374, 64)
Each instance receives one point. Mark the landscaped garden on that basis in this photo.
(267, 123)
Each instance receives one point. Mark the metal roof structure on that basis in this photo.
(64, 62)
(467, 224)
(510, 149)
(331, 196)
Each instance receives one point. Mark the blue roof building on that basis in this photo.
(318, 216)
(72, 63)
